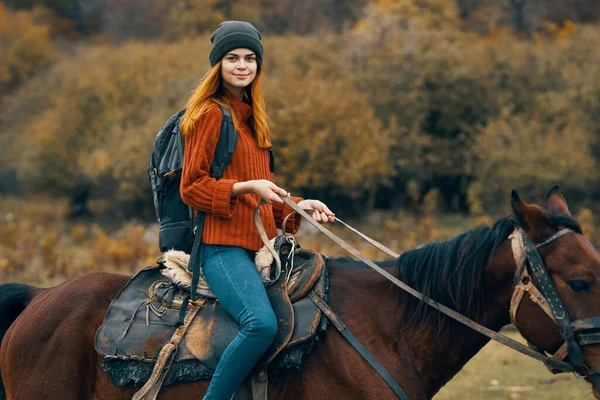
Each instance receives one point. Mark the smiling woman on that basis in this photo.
(238, 69)
(229, 237)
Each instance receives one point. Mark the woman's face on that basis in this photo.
(238, 68)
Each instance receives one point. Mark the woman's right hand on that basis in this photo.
(265, 189)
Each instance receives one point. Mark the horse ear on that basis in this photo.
(532, 218)
(519, 208)
(555, 202)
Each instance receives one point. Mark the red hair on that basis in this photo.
(211, 93)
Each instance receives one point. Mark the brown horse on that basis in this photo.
(47, 346)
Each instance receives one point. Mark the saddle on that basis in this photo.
(145, 316)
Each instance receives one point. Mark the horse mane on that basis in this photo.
(451, 272)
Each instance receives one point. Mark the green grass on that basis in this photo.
(498, 372)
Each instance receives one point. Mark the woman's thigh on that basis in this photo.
(235, 281)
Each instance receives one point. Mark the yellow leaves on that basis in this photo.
(25, 46)
(124, 251)
(49, 247)
(482, 220)
(386, 17)
(193, 17)
(427, 230)
(586, 220)
(326, 135)
(97, 163)
(38, 246)
(557, 32)
(395, 100)
(500, 33)
(79, 233)
(4, 14)
(533, 152)
(97, 114)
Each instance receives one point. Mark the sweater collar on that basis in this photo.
(243, 109)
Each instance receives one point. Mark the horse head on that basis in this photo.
(561, 312)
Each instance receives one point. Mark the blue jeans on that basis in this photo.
(232, 276)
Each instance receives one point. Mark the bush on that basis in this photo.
(403, 105)
(26, 48)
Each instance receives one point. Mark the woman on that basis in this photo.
(230, 237)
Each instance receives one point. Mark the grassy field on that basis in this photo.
(498, 372)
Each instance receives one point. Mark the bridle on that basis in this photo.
(531, 276)
(576, 333)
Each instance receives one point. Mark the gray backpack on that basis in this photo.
(164, 174)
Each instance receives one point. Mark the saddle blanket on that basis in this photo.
(145, 314)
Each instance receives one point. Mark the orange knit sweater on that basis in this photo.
(229, 220)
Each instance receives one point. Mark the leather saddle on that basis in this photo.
(145, 314)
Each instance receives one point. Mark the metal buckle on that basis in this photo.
(585, 372)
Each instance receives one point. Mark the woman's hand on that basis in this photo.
(265, 189)
(321, 212)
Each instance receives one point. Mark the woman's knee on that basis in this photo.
(264, 325)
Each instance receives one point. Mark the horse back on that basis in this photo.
(52, 334)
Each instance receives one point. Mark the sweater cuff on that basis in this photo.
(223, 204)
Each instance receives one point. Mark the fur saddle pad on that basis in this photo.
(175, 267)
(305, 271)
(145, 313)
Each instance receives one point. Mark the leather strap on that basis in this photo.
(259, 382)
(505, 340)
(559, 311)
(180, 146)
(372, 242)
(165, 358)
(227, 140)
(358, 346)
(263, 235)
(195, 259)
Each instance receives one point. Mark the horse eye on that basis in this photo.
(580, 286)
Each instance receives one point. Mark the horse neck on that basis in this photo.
(367, 303)
(439, 359)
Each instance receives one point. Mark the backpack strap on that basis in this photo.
(195, 259)
(226, 146)
(223, 153)
(180, 146)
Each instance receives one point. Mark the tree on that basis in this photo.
(26, 48)
(96, 112)
(326, 135)
(70, 9)
(519, 18)
(193, 17)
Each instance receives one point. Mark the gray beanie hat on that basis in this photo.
(234, 35)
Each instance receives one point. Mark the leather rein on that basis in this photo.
(576, 333)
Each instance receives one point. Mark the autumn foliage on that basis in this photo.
(406, 99)
(415, 107)
(403, 102)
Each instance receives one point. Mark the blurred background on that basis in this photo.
(411, 119)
